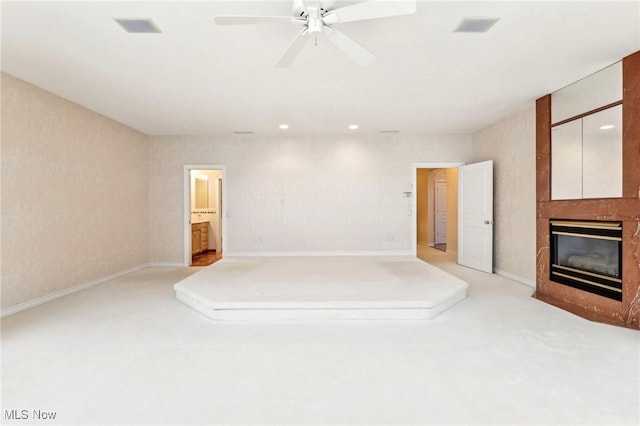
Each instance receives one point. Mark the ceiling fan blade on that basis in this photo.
(294, 50)
(350, 48)
(370, 10)
(249, 20)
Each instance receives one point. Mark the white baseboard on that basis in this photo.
(65, 292)
(166, 265)
(514, 277)
(317, 253)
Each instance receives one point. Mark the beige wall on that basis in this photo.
(93, 197)
(298, 193)
(74, 194)
(510, 143)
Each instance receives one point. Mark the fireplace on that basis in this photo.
(587, 255)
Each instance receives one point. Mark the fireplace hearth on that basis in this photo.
(587, 255)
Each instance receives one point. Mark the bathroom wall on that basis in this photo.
(301, 194)
(74, 194)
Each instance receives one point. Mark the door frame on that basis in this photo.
(414, 202)
(436, 204)
(187, 206)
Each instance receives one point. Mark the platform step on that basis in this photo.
(321, 288)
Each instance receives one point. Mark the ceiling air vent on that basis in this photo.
(243, 132)
(476, 25)
(138, 25)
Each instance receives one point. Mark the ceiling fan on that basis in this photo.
(317, 20)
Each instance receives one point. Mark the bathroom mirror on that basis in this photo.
(202, 192)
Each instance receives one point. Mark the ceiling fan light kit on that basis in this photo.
(477, 24)
(138, 25)
(319, 21)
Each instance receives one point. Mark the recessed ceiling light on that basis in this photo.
(284, 126)
(138, 25)
(476, 25)
(353, 127)
(607, 127)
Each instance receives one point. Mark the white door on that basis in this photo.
(475, 216)
(441, 213)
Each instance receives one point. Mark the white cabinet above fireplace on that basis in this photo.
(599, 89)
(586, 137)
(586, 157)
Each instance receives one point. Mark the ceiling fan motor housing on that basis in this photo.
(314, 21)
(314, 26)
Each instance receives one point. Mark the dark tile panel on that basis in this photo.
(631, 126)
(543, 148)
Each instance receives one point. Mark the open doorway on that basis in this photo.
(203, 215)
(436, 202)
(469, 232)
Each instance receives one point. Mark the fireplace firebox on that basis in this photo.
(587, 255)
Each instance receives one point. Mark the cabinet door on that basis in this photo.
(566, 161)
(602, 154)
(204, 240)
(195, 241)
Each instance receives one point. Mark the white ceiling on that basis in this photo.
(199, 78)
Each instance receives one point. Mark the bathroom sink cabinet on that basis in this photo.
(199, 237)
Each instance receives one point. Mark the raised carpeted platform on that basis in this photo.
(321, 288)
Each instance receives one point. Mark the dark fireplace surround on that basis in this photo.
(593, 295)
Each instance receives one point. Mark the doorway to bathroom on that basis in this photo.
(204, 218)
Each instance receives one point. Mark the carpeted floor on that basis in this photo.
(127, 352)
